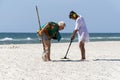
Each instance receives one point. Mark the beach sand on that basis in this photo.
(23, 62)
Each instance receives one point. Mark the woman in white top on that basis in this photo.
(81, 29)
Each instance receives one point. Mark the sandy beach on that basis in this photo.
(23, 62)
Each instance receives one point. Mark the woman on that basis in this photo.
(81, 29)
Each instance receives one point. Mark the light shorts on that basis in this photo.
(44, 37)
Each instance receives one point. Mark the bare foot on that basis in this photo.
(44, 57)
(82, 59)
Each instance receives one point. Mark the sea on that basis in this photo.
(32, 38)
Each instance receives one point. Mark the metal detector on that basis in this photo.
(65, 57)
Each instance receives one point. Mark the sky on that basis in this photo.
(101, 16)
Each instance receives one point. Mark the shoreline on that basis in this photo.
(56, 42)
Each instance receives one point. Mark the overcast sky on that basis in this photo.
(20, 15)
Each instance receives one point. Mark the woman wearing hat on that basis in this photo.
(81, 30)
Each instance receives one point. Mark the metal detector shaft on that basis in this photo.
(38, 17)
(39, 25)
(68, 49)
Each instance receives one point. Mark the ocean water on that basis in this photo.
(32, 38)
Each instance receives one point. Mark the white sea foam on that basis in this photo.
(109, 38)
(6, 39)
(29, 38)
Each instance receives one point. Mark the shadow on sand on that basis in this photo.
(106, 60)
(68, 60)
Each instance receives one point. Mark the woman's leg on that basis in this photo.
(82, 49)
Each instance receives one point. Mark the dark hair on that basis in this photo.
(72, 13)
